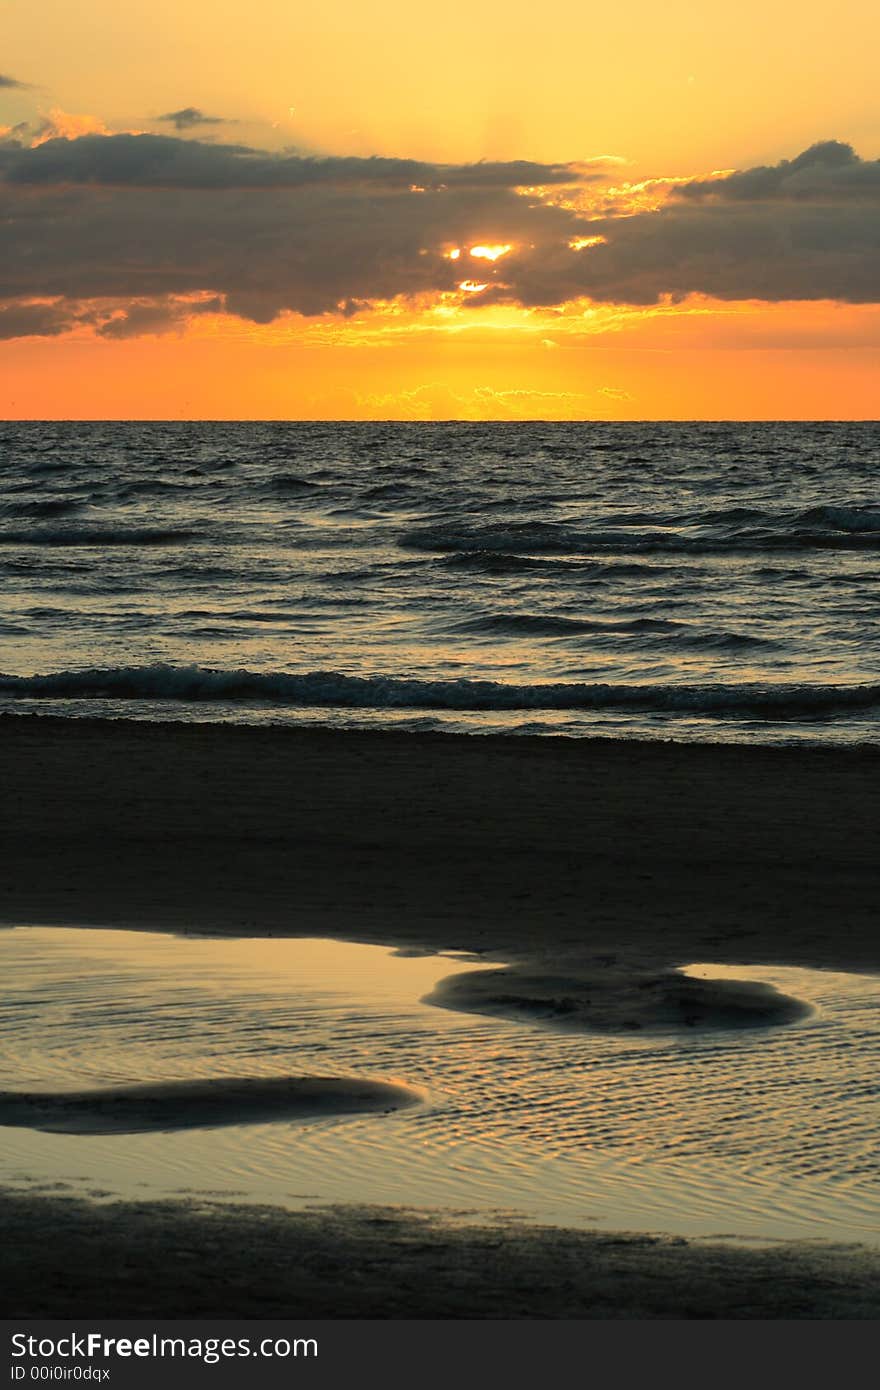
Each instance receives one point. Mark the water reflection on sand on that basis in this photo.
(761, 1133)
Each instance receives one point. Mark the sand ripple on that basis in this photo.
(767, 1130)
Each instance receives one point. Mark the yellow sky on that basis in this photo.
(674, 90)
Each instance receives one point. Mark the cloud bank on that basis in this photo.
(153, 225)
(163, 161)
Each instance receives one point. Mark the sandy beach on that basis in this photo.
(194, 1259)
(589, 869)
(526, 849)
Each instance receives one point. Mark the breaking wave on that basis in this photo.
(334, 689)
(693, 579)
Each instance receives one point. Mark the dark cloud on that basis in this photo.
(827, 169)
(190, 116)
(7, 82)
(110, 319)
(805, 229)
(14, 137)
(162, 161)
(35, 320)
(163, 316)
(752, 251)
(308, 249)
(146, 220)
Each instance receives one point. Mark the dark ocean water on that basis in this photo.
(691, 581)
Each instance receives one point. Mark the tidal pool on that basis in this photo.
(764, 1133)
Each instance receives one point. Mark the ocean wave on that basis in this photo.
(648, 631)
(291, 485)
(501, 563)
(494, 562)
(774, 572)
(326, 689)
(524, 537)
(389, 492)
(161, 487)
(828, 528)
(853, 520)
(44, 508)
(531, 625)
(100, 536)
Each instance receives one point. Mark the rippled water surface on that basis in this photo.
(696, 580)
(761, 1133)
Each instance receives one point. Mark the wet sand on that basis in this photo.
(597, 864)
(613, 998)
(69, 1258)
(525, 849)
(200, 1104)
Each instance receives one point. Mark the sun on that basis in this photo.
(490, 253)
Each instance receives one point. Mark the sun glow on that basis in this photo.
(490, 253)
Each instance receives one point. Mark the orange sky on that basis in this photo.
(654, 369)
(671, 92)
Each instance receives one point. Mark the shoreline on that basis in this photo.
(522, 850)
(618, 858)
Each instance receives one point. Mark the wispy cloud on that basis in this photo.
(436, 401)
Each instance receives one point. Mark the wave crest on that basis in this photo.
(327, 689)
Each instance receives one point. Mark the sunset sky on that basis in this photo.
(466, 211)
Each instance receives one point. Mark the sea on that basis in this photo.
(687, 582)
(696, 581)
